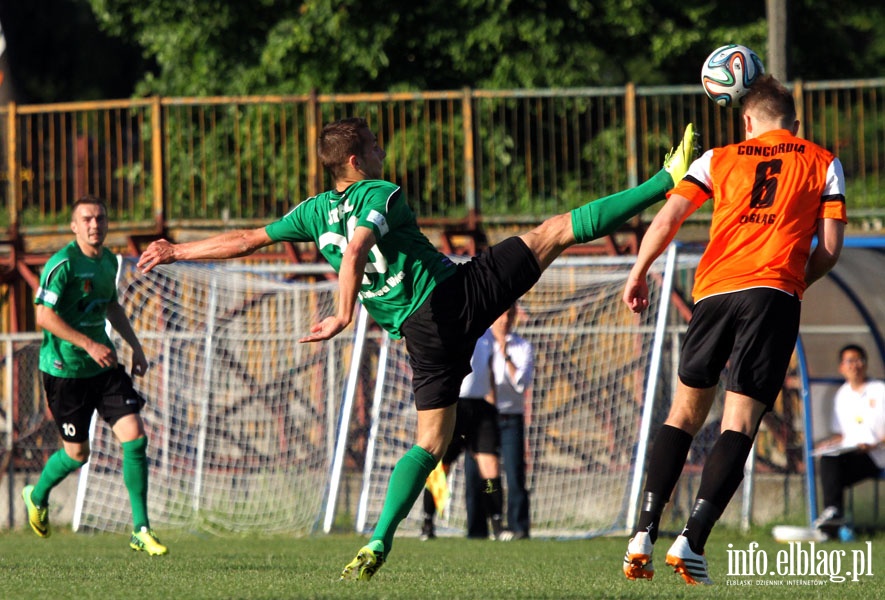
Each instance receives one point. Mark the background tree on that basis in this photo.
(57, 52)
(65, 50)
(291, 46)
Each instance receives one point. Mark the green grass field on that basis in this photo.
(69, 565)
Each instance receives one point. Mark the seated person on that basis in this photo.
(858, 439)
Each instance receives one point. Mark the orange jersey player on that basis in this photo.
(772, 194)
(769, 193)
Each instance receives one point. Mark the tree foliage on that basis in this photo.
(56, 52)
(207, 47)
(113, 48)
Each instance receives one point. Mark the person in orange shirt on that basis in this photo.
(772, 194)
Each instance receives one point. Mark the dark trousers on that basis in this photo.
(477, 515)
(840, 472)
(513, 463)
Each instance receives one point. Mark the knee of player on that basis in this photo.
(550, 238)
(434, 442)
(688, 419)
(79, 453)
(558, 230)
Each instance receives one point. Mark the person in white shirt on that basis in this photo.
(858, 440)
(513, 368)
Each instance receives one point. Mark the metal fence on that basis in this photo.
(512, 155)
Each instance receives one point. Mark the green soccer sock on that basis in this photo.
(59, 466)
(135, 476)
(603, 216)
(406, 482)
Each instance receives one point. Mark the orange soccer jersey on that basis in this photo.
(768, 194)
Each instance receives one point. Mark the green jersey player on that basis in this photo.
(77, 294)
(366, 230)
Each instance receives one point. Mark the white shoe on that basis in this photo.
(505, 536)
(692, 566)
(637, 560)
(829, 516)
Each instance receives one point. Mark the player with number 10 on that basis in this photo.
(81, 374)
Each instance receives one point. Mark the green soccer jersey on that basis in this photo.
(403, 266)
(78, 289)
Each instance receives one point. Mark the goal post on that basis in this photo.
(657, 348)
(344, 425)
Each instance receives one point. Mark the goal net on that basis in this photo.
(240, 416)
(592, 368)
(244, 425)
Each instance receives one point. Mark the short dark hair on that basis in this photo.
(772, 99)
(339, 141)
(853, 348)
(88, 199)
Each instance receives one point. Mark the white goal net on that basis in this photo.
(592, 365)
(243, 421)
(240, 416)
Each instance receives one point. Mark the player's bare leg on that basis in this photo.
(550, 239)
(690, 407)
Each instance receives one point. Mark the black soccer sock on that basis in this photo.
(831, 471)
(723, 473)
(700, 523)
(429, 504)
(665, 464)
(493, 498)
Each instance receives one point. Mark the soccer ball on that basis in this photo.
(729, 72)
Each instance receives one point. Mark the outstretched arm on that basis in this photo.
(830, 235)
(350, 278)
(230, 244)
(660, 233)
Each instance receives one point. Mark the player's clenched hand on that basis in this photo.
(324, 330)
(139, 362)
(103, 355)
(636, 294)
(160, 252)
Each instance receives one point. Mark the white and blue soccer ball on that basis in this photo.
(729, 72)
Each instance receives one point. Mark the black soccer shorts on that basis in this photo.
(476, 429)
(73, 400)
(442, 333)
(750, 334)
